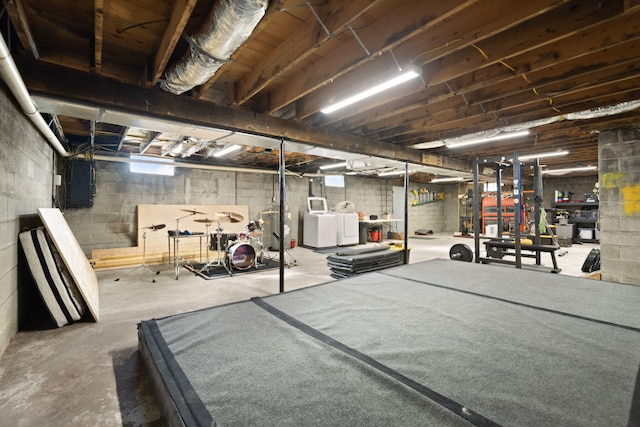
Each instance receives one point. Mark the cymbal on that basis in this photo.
(205, 220)
(193, 211)
(269, 212)
(155, 227)
(229, 216)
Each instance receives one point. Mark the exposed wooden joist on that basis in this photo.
(151, 136)
(105, 93)
(123, 134)
(336, 15)
(567, 20)
(19, 20)
(378, 38)
(98, 35)
(179, 16)
(444, 36)
(571, 55)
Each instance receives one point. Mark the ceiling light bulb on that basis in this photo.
(542, 155)
(567, 170)
(334, 165)
(408, 74)
(451, 179)
(227, 150)
(498, 137)
(389, 173)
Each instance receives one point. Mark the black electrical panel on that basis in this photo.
(81, 183)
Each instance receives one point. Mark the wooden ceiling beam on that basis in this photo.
(456, 107)
(414, 17)
(568, 19)
(105, 93)
(15, 9)
(570, 57)
(98, 34)
(439, 37)
(180, 15)
(336, 16)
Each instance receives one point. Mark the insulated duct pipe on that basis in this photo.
(12, 78)
(229, 24)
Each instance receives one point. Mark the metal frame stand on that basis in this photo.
(501, 164)
(217, 262)
(144, 264)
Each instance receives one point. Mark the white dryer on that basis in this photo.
(348, 229)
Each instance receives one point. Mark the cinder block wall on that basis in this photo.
(619, 169)
(26, 181)
(111, 222)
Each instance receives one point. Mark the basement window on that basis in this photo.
(334, 180)
(151, 165)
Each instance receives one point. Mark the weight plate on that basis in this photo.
(461, 252)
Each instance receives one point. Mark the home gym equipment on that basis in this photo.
(498, 247)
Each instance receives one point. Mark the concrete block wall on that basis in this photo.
(26, 184)
(112, 222)
(619, 173)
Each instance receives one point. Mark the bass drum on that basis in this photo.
(241, 256)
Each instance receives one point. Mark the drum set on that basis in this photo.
(233, 251)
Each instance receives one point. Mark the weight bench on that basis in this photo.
(496, 249)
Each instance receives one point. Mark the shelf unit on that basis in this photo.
(582, 214)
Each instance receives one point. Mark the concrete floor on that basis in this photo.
(89, 374)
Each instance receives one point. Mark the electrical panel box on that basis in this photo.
(81, 183)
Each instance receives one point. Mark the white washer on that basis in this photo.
(320, 228)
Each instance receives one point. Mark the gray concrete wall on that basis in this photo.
(26, 181)
(619, 169)
(111, 222)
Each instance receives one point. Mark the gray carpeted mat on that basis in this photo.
(218, 271)
(434, 343)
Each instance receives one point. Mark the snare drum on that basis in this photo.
(225, 239)
(241, 256)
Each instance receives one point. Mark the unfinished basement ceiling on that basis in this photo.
(100, 68)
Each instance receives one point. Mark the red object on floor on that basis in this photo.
(375, 235)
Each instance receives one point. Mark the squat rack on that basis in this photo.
(500, 164)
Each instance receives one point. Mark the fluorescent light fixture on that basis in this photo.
(541, 155)
(334, 165)
(567, 170)
(451, 179)
(151, 165)
(227, 150)
(408, 74)
(498, 137)
(390, 173)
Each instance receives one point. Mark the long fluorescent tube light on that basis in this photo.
(389, 173)
(567, 170)
(451, 179)
(499, 137)
(541, 155)
(334, 165)
(408, 74)
(227, 150)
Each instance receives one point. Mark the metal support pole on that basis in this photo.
(518, 208)
(281, 176)
(406, 213)
(499, 219)
(537, 204)
(476, 209)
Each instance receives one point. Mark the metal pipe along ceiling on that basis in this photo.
(229, 24)
(12, 78)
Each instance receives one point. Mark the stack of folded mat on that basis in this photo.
(356, 261)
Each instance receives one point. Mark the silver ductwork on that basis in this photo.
(229, 24)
